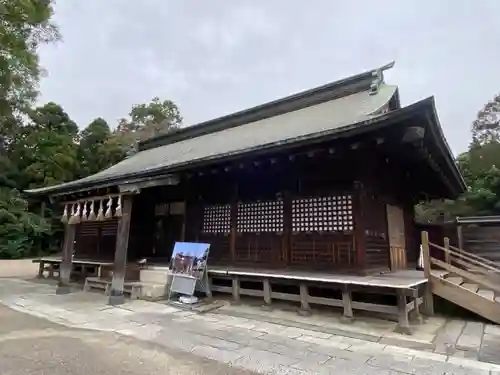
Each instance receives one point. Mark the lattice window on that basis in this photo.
(260, 217)
(217, 219)
(323, 214)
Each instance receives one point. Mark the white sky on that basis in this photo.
(216, 57)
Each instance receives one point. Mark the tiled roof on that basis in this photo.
(288, 127)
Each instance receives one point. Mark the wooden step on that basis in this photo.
(488, 294)
(455, 280)
(472, 287)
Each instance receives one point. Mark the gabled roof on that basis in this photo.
(353, 104)
(268, 132)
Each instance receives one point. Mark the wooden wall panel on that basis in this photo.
(322, 251)
(375, 232)
(96, 239)
(482, 240)
(397, 239)
(263, 249)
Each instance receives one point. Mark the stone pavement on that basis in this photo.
(245, 343)
(451, 337)
(33, 346)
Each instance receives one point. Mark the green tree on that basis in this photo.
(52, 117)
(486, 127)
(26, 150)
(46, 149)
(24, 26)
(99, 148)
(148, 120)
(21, 231)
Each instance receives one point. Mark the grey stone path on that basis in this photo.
(34, 346)
(244, 343)
(452, 337)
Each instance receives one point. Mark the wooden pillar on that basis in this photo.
(63, 286)
(184, 219)
(347, 316)
(447, 255)
(116, 293)
(304, 310)
(460, 237)
(236, 289)
(287, 228)
(428, 298)
(403, 322)
(267, 294)
(359, 229)
(234, 223)
(415, 313)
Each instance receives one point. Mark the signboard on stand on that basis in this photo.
(189, 268)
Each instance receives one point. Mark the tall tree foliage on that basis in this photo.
(24, 26)
(42, 146)
(486, 127)
(147, 120)
(480, 166)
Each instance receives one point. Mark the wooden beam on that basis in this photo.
(267, 294)
(447, 258)
(304, 310)
(234, 223)
(359, 228)
(347, 316)
(236, 289)
(403, 322)
(63, 286)
(116, 296)
(94, 198)
(428, 298)
(460, 237)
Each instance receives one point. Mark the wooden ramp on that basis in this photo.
(468, 280)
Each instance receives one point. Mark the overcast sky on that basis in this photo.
(219, 56)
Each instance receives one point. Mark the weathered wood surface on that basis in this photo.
(478, 279)
(399, 312)
(89, 262)
(120, 262)
(404, 279)
(132, 288)
(428, 297)
(467, 299)
(67, 256)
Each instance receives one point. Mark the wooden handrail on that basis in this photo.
(480, 258)
(470, 267)
(465, 255)
(477, 279)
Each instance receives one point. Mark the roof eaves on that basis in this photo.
(447, 153)
(345, 131)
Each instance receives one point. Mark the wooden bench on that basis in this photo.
(134, 288)
(51, 266)
(80, 267)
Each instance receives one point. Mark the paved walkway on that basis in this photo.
(34, 346)
(240, 342)
(452, 337)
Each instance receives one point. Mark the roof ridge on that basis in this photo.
(358, 82)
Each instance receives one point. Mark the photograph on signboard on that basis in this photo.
(189, 258)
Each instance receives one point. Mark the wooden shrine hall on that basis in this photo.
(313, 187)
